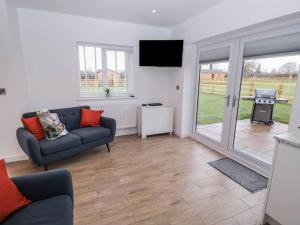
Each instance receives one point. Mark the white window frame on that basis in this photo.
(128, 68)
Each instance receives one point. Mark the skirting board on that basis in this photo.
(22, 156)
(126, 131)
(181, 134)
(15, 158)
(184, 135)
(119, 132)
(269, 220)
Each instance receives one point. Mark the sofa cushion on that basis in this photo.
(51, 124)
(60, 144)
(34, 126)
(89, 134)
(70, 117)
(11, 199)
(53, 211)
(90, 118)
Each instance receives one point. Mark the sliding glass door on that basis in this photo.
(245, 93)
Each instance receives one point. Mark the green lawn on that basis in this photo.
(211, 109)
(285, 87)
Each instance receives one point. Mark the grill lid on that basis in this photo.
(265, 93)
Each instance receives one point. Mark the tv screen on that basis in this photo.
(162, 53)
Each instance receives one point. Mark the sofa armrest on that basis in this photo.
(110, 124)
(45, 185)
(30, 145)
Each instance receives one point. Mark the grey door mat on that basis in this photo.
(242, 175)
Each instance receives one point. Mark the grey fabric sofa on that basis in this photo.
(51, 194)
(44, 152)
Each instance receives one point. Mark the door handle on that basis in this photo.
(227, 100)
(234, 99)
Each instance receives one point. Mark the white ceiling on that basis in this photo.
(169, 12)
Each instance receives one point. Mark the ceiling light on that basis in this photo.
(153, 11)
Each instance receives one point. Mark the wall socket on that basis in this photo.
(2, 91)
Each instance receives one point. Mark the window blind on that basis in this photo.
(212, 55)
(102, 68)
(275, 45)
(116, 71)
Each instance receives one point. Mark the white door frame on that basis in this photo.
(237, 44)
(229, 86)
(230, 112)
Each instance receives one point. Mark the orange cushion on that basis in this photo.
(11, 198)
(90, 118)
(34, 126)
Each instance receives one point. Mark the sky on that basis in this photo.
(267, 64)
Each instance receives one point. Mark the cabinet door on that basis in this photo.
(284, 197)
(157, 120)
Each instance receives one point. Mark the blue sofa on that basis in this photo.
(79, 139)
(51, 194)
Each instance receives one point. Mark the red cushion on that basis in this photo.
(34, 126)
(90, 118)
(11, 198)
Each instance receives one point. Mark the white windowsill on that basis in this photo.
(105, 98)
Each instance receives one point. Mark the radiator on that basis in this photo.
(124, 114)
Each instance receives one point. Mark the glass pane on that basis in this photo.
(91, 74)
(90, 59)
(99, 70)
(211, 101)
(111, 68)
(120, 80)
(93, 81)
(116, 65)
(81, 59)
(266, 97)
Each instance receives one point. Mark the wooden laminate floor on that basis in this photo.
(163, 180)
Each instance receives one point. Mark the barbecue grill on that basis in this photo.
(263, 105)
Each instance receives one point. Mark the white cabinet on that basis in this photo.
(283, 197)
(155, 120)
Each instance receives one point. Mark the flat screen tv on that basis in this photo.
(161, 53)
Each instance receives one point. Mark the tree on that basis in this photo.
(288, 68)
(274, 71)
(250, 67)
(258, 68)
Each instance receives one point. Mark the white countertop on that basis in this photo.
(292, 138)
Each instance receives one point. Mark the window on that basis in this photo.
(103, 67)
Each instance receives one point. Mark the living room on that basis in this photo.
(212, 160)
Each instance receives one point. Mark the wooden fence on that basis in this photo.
(284, 89)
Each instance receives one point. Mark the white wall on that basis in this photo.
(11, 78)
(50, 56)
(186, 79)
(175, 98)
(49, 78)
(189, 85)
(230, 15)
(219, 20)
(39, 67)
(295, 115)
